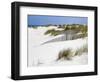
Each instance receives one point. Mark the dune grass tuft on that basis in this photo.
(83, 49)
(66, 54)
(69, 53)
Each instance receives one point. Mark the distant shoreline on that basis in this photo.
(54, 25)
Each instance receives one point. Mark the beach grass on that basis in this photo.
(69, 53)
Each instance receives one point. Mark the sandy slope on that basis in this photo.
(37, 35)
(77, 60)
(47, 54)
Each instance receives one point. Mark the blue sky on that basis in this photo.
(45, 20)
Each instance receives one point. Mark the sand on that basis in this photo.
(47, 54)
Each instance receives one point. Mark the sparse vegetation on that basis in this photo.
(82, 29)
(68, 54)
(49, 31)
(53, 32)
(34, 27)
(83, 49)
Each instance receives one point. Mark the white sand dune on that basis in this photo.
(47, 54)
(77, 60)
(37, 37)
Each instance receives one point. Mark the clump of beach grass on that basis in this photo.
(35, 27)
(66, 54)
(69, 53)
(53, 32)
(83, 49)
